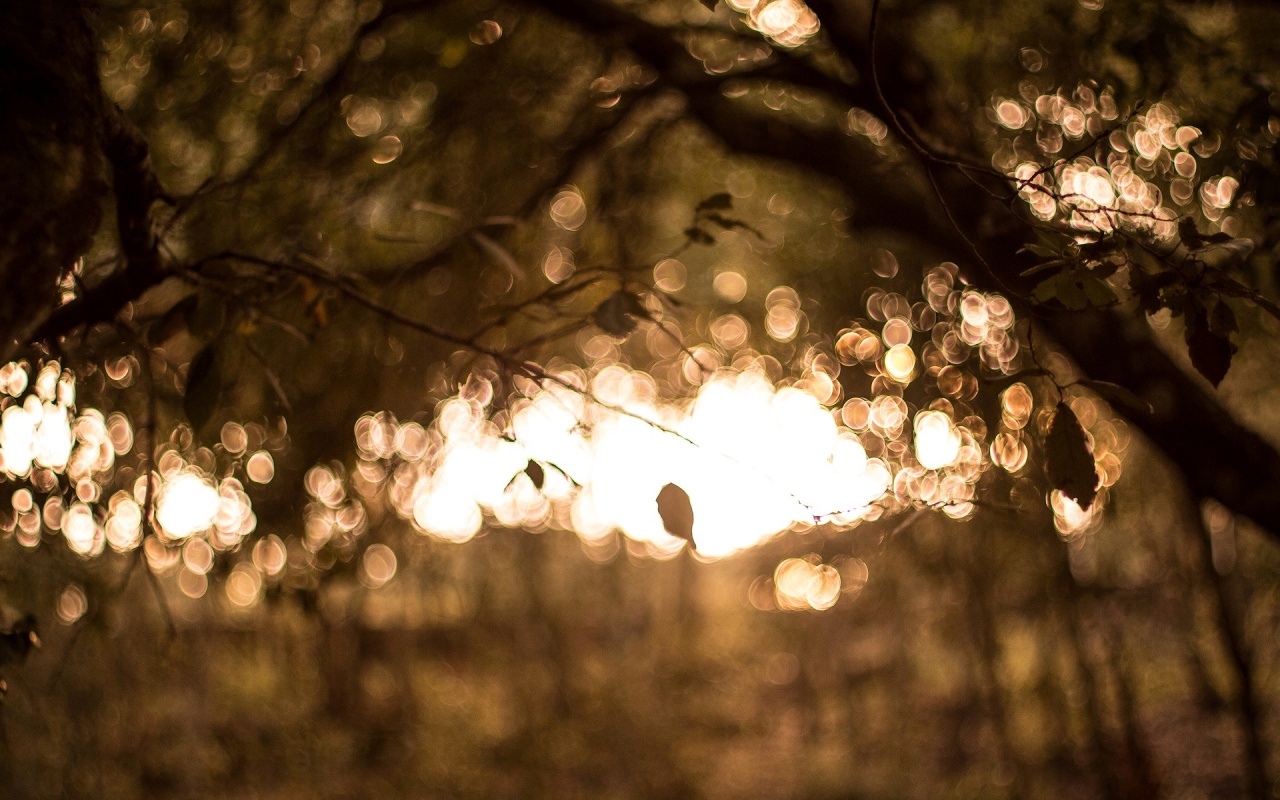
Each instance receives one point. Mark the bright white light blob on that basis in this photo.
(937, 440)
(753, 459)
(83, 536)
(186, 504)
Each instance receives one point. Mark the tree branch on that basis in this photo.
(1219, 457)
(136, 188)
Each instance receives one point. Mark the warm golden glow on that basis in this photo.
(186, 505)
(790, 23)
(937, 442)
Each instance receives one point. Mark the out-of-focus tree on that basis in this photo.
(301, 296)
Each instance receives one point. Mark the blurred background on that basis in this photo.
(460, 287)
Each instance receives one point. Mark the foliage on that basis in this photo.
(862, 370)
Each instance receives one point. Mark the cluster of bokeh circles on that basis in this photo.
(582, 450)
(74, 475)
(1076, 160)
(758, 453)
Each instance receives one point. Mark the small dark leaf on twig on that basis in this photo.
(1068, 461)
(677, 512)
(722, 201)
(617, 314)
(1188, 233)
(537, 475)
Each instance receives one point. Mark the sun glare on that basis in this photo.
(755, 459)
(187, 505)
(753, 450)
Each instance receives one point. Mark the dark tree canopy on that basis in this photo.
(873, 375)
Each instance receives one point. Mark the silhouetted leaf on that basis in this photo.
(617, 314)
(722, 201)
(1148, 288)
(1046, 289)
(1210, 353)
(209, 316)
(1097, 291)
(1076, 290)
(1068, 461)
(676, 512)
(1070, 293)
(1223, 252)
(1118, 397)
(710, 4)
(204, 387)
(1222, 321)
(537, 475)
(1188, 233)
(1039, 250)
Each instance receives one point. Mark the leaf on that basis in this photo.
(617, 314)
(1098, 250)
(1119, 398)
(537, 475)
(1042, 266)
(1222, 321)
(1210, 353)
(1148, 286)
(1098, 291)
(1072, 294)
(676, 512)
(1105, 269)
(1038, 250)
(710, 4)
(1220, 254)
(1189, 235)
(722, 201)
(1068, 461)
(209, 316)
(1046, 289)
(1076, 290)
(204, 388)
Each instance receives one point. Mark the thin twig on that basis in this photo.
(148, 509)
